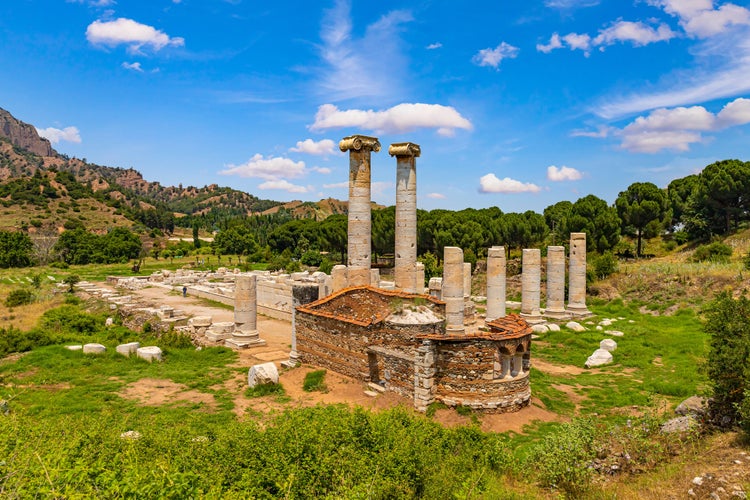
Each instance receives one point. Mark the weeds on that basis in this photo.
(315, 381)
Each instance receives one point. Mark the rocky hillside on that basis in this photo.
(31, 192)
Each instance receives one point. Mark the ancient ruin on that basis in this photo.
(405, 271)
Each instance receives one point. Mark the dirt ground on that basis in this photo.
(341, 389)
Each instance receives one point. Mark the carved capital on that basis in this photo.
(358, 142)
(405, 149)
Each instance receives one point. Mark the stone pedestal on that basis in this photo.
(419, 278)
(495, 283)
(245, 333)
(555, 282)
(406, 155)
(359, 230)
(453, 289)
(338, 277)
(577, 275)
(531, 285)
(436, 288)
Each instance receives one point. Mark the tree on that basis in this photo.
(15, 249)
(644, 208)
(235, 240)
(556, 216)
(728, 323)
(592, 215)
(44, 241)
(722, 196)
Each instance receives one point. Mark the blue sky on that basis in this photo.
(515, 104)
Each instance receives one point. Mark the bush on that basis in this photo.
(293, 267)
(70, 319)
(14, 340)
(265, 390)
(563, 459)
(311, 258)
(315, 381)
(19, 297)
(605, 265)
(326, 266)
(714, 252)
(746, 261)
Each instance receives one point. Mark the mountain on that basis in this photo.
(24, 135)
(41, 189)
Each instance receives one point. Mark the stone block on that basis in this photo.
(575, 326)
(553, 327)
(539, 329)
(149, 353)
(128, 349)
(200, 321)
(615, 333)
(599, 358)
(608, 345)
(266, 373)
(74, 347)
(93, 349)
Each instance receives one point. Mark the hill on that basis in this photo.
(40, 188)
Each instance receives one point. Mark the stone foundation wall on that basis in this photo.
(465, 376)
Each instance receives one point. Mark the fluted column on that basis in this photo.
(555, 282)
(360, 225)
(453, 289)
(531, 284)
(406, 154)
(495, 283)
(577, 275)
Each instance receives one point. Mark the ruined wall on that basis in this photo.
(466, 376)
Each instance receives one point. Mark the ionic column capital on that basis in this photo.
(405, 149)
(359, 142)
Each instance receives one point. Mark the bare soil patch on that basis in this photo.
(157, 392)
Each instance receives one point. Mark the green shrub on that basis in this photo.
(605, 265)
(14, 340)
(311, 258)
(714, 252)
(315, 381)
(293, 267)
(70, 319)
(326, 266)
(562, 460)
(19, 297)
(265, 390)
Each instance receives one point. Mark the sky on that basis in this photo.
(515, 104)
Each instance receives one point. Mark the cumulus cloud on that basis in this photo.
(135, 35)
(493, 57)
(563, 173)
(323, 147)
(136, 66)
(321, 170)
(638, 34)
(436, 196)
(700, 19)
(271, 169)
(491, 184)
(400, 118)
(677, 128)
(55, 135)
(434, 46)
(284, 185)
(554, 43)
(578, 42)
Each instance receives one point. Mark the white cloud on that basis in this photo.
(323, 147)
(400, 118)
(491, 184)
(337, 185)
(493, 57)
(379, 187)
(284, 185)
(95, 3)
(601, 132)
(321, 170)
(434, 46)
(136, 66)
(55, 135)
(563, 173)
(360, 66)
(271, 169)
(570, 4)
(676, 129)
(135, 35)
(554, 43)
(638, 34)
(699, 18)
(578, 42)
(436, 196)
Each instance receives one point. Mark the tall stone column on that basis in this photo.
(245, 314)
(406, 154)
(495, 283)
(453, 289)
(360, 224)
(577, 275)
(531, 284)
(555, 282)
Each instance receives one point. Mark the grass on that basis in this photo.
(315, 381)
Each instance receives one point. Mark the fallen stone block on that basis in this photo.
(539, 329)
(553, 327)
(266, 373)
(615, 333)
(93, 349)
(128, 349)
(74, 347)
(149, 353)
(200, 321)
(608, 345)
(599, 358)
(575, 326)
